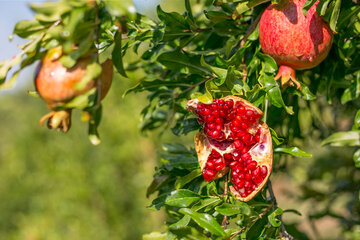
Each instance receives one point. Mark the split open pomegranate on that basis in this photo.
(233, 138)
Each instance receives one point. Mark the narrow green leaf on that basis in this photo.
(206, 97)
(356, 158)
(205, 221)
(275, 137)
(307, 5)
(335, 15)
(180, 182)
(181, 223)
(182, 198)
(339, 139)
(117, 55)
(294, 151)
(228, 209)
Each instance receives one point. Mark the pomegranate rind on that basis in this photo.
(262, 153)
(203, 150)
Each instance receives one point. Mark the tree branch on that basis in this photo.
(284, 233)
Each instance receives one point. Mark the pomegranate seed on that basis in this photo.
(215, 134)
(228, 156)
(249, 191)
(263, 171)
(233, 164)
(241, 176)
(253, 187)
(208, 174)
(234, 129)
(252, 165)
(219, 167)
(246, 156)
(249, 113)
(238, 144)
(257, 180)
(248, 176)
(215, 113)
(230, 103)
(256, 171)
(244, 126)
(257, 137)
(210, 165)
(243, 195)
(236, 123)
(221, 101)
(211, 126)
(247, 184)
(206, 112)
(245, 138)
(236, 155)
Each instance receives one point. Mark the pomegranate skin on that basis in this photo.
(56, 84)
(292, 39)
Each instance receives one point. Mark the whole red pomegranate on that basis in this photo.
(56, 85)
(233, 137)
(293, 40)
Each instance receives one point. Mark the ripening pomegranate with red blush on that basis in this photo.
(295, 42)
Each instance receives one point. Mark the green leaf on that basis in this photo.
(176, 61)
(294, 151)
(93, 71)
(181, 223)
(117, 55)
(245, 6)
(94, 122)
(275, 137)
(206, 97)
(228, 209)
(210, 202)
(307, 5)
(173, 20)
(356, 158)
(180, 182)
(322, 7)
(335, 15)
(276, 99)
(269, 64)
(273, 217)
(182, 198)
(219, 72)
(216, 16)
(339, 139)
(205, 221)
(357, 120)
(27, 28)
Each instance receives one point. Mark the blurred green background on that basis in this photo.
(59, 186)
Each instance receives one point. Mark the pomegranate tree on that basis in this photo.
(57, 85)
(233, 138)
(295, 41)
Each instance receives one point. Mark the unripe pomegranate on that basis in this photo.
(233, 138)
(293, 40)
(57, 85)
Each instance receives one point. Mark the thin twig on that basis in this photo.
(225, 221)
(198, 29)
(252, 221)
(284, 233)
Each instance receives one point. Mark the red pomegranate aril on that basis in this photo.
(247, 184)
(238, 144)
(230, 103)
(244, 126)
(236, 155)
(234, 129)
(264, 171)
(215, 134)
(248, 176)
(243, 195)
(206, 112)
(233, 164)
(257, 180)
(256, 171)
(218, 161)
(246, 156)
(212, 126)
(252, 165)
(257, 137)
(219, 167)
(228, 156)
(208, 174)
(249, 113)
(245, 138)
(210, 165)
